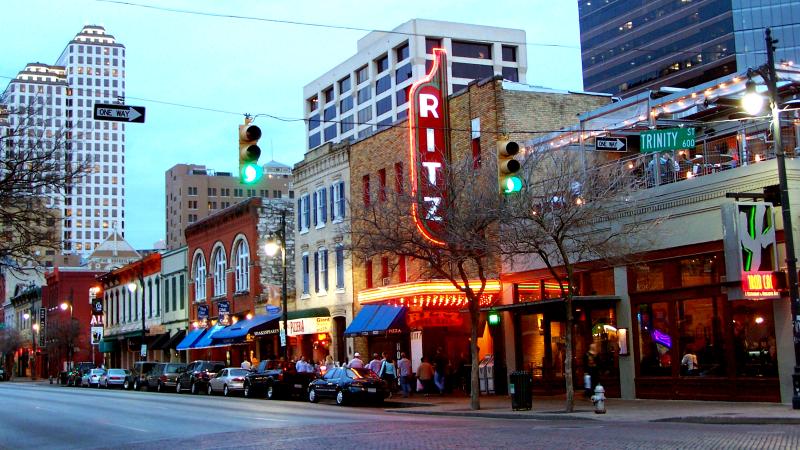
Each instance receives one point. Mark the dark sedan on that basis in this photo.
(275, 379)
(348, 385)
(197, 374)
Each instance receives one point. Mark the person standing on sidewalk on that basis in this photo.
(388, 373)
(404, 370)
(356, 362)
(425, 376)
(375, 364)
(440, 363)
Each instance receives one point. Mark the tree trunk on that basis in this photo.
(570, 406)
(474, 319)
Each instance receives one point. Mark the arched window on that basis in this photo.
(220, 265)
(199, 277)
(242, 255)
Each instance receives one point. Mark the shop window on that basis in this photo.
(649, 277)
(700, 338)
(599, 282)
(755, 351)
(529, 292)
(655, 341)
(699, 270)
(532, 337)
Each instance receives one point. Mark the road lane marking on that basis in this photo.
(269, 419)
(125, 426)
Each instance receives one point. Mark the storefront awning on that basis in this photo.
(157, 342)
(376, 319)
(190, 339)
(310, 312)
(238, 331)
(205, 340)
(174, 340)
(108, 346)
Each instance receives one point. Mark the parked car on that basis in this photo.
(78, 370)
(197, 374)
(348, 385)
(136, 379)
(164, 376)
(91, 377)
(114, 378)
(2, 374)
(276, 379)
(227, 381)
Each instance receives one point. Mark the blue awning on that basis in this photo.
(375, 320)
(240, 329)
(190, 339)
(205, 340)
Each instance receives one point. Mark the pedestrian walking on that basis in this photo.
(356, 362)
(375, 364)
(388, 372)
(440, 363)
(404, 373)
(425, 376)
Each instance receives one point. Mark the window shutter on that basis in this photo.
(307, 203)
(325, 265)
(314, 209)
(316, 271)
(324, 202)
(333, 205)
(341, 199)
(299, 214)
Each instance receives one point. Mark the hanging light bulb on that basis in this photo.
(752, 101)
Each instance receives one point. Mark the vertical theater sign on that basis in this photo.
(751, 250)
(429, 148)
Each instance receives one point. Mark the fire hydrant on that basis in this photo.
(599, 400)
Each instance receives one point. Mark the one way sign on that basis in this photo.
(611, 144)
(119, 113)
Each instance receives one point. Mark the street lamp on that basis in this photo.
(275, 242)
(132, 289)
(767, 72)
(64, 305)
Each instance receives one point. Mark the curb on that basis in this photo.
(534, 416)
(718, 420)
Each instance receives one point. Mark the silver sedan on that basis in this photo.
(114, 378)
(228, 381)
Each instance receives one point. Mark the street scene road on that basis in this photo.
(43, 416)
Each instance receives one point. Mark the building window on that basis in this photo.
(368, 273)
(510, 74)
(472, 50)
(401, 52)
(432, 43)
(323, 270)
(383, 106)
(402, 74)
(314, 140)
(382, 185)
(401, 96)
(305, 274)
(199, 278)
(383, 85)
(365, 115)
(220, 267)
(509, 53)
(242, 255)
(313, 103)
(320, 207)
(328, 94)
(362, 75)
(304, 212)
(364, 94)
(401, 269)
(338, 200)
(313, 122)
(182, 286)
(346, 104)
(344, 84)
(340, 266)
(174, 294)
(382, 64)
(471, 71)
(346, 124)
(330, 133)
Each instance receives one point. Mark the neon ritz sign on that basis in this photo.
(429, 147)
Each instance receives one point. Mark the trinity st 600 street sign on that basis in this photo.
(611, 144)
(119, 113)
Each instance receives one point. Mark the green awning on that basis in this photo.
(310, 312)
(108, 346)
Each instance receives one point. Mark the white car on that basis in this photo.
(227, 381)
(114, 377)
(92, 378)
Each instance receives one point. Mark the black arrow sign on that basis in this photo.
(119, 113)
(611, 144)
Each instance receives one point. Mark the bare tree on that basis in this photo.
(463, 256)
(37, 168)
(62, 336)
(573, 208)
(10, 341)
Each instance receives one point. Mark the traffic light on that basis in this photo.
(507, 167)
(249, 169)
(493, 318)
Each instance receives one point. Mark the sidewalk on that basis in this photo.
(26, 380)
(552, 408)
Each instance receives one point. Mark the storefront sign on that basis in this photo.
(760, 285)
(224, 313)
(429, 125)
(666, 140)
(265, 332)
(202, 315)
(451, 300)
(42, 327)
(309, 325)
(427, 319)
(97, 335)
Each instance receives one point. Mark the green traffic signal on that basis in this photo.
(493, 318)
(512, 184)
(251, 173)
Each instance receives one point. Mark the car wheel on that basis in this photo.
(193, 388)
(136, 385)
(225, 391)
(159, 387)
(340, 398)
(97, 385)
(312, 395)
(247, 392)
(126, 385)
(210, 389)
(270, 392)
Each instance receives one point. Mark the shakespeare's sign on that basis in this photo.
(429, 147)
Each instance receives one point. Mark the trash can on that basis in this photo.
(520, 388)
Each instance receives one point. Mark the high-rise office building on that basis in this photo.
(369, 91)
(628, 46)
(90, 70)
(194, 193)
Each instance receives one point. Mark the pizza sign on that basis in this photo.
(429, 147)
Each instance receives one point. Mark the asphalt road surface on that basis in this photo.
(43, 416)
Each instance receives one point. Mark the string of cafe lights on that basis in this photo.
(369, 30)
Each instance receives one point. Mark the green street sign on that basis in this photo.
(667, 139)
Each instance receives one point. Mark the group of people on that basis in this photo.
(431, 375)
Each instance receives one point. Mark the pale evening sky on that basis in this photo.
(248, 66)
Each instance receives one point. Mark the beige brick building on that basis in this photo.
(194, 193)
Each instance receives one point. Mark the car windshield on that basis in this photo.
(118, 372)
(237, 372)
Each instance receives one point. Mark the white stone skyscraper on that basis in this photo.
(90, 70)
